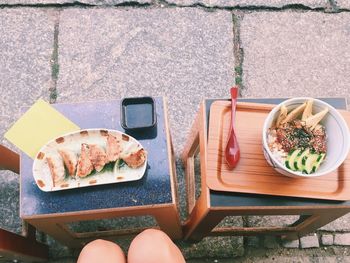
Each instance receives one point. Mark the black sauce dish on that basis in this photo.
(138, 114)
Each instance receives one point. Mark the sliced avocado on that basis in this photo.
(298, 164)
(310, 161)
(291, 159)
(320, 159)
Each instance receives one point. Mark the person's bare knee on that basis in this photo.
(101, 251)
(153, 246)
(152, 234)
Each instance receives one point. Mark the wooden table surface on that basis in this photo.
(226, 199)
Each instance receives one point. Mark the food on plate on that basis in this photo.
(113, 148)
(98, 156)
(298, 139)
(92, 156)
(56, 167)
(136, 158)
(85, 165)
(70, 160)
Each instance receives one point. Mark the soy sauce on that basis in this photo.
(138, 115)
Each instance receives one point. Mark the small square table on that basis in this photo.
(211, 207)
(154, 195)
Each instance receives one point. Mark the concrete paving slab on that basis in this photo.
(274, 255)
(267, 221)
(286, 255)
(341, 224)
(342, 239)
(213, 247)
(296, 54)
(209, 3)
(343, 4)
(327, 240)
(185, 54)
(26, 37)
(87, 2)
(252, 3)
(26, 44)
(9, 209)
(309, 241)
(291, 243)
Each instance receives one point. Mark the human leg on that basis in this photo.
(154, 246)
(101, 251)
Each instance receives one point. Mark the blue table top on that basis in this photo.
(154, 188)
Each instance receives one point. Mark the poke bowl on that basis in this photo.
(305, 137)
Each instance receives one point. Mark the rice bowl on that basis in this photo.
(337, 140)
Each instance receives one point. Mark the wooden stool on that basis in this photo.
(153, 195)
(212, 207)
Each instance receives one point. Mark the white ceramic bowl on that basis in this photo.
(338, 138)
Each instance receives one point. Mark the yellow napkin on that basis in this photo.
(40, 124)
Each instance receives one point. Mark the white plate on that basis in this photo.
(73, 141)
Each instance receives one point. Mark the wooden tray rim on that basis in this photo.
(226, 187)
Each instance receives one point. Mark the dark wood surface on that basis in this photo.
(154, 188)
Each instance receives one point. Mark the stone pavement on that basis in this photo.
(187, 50)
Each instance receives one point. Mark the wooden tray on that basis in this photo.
(253, 174)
